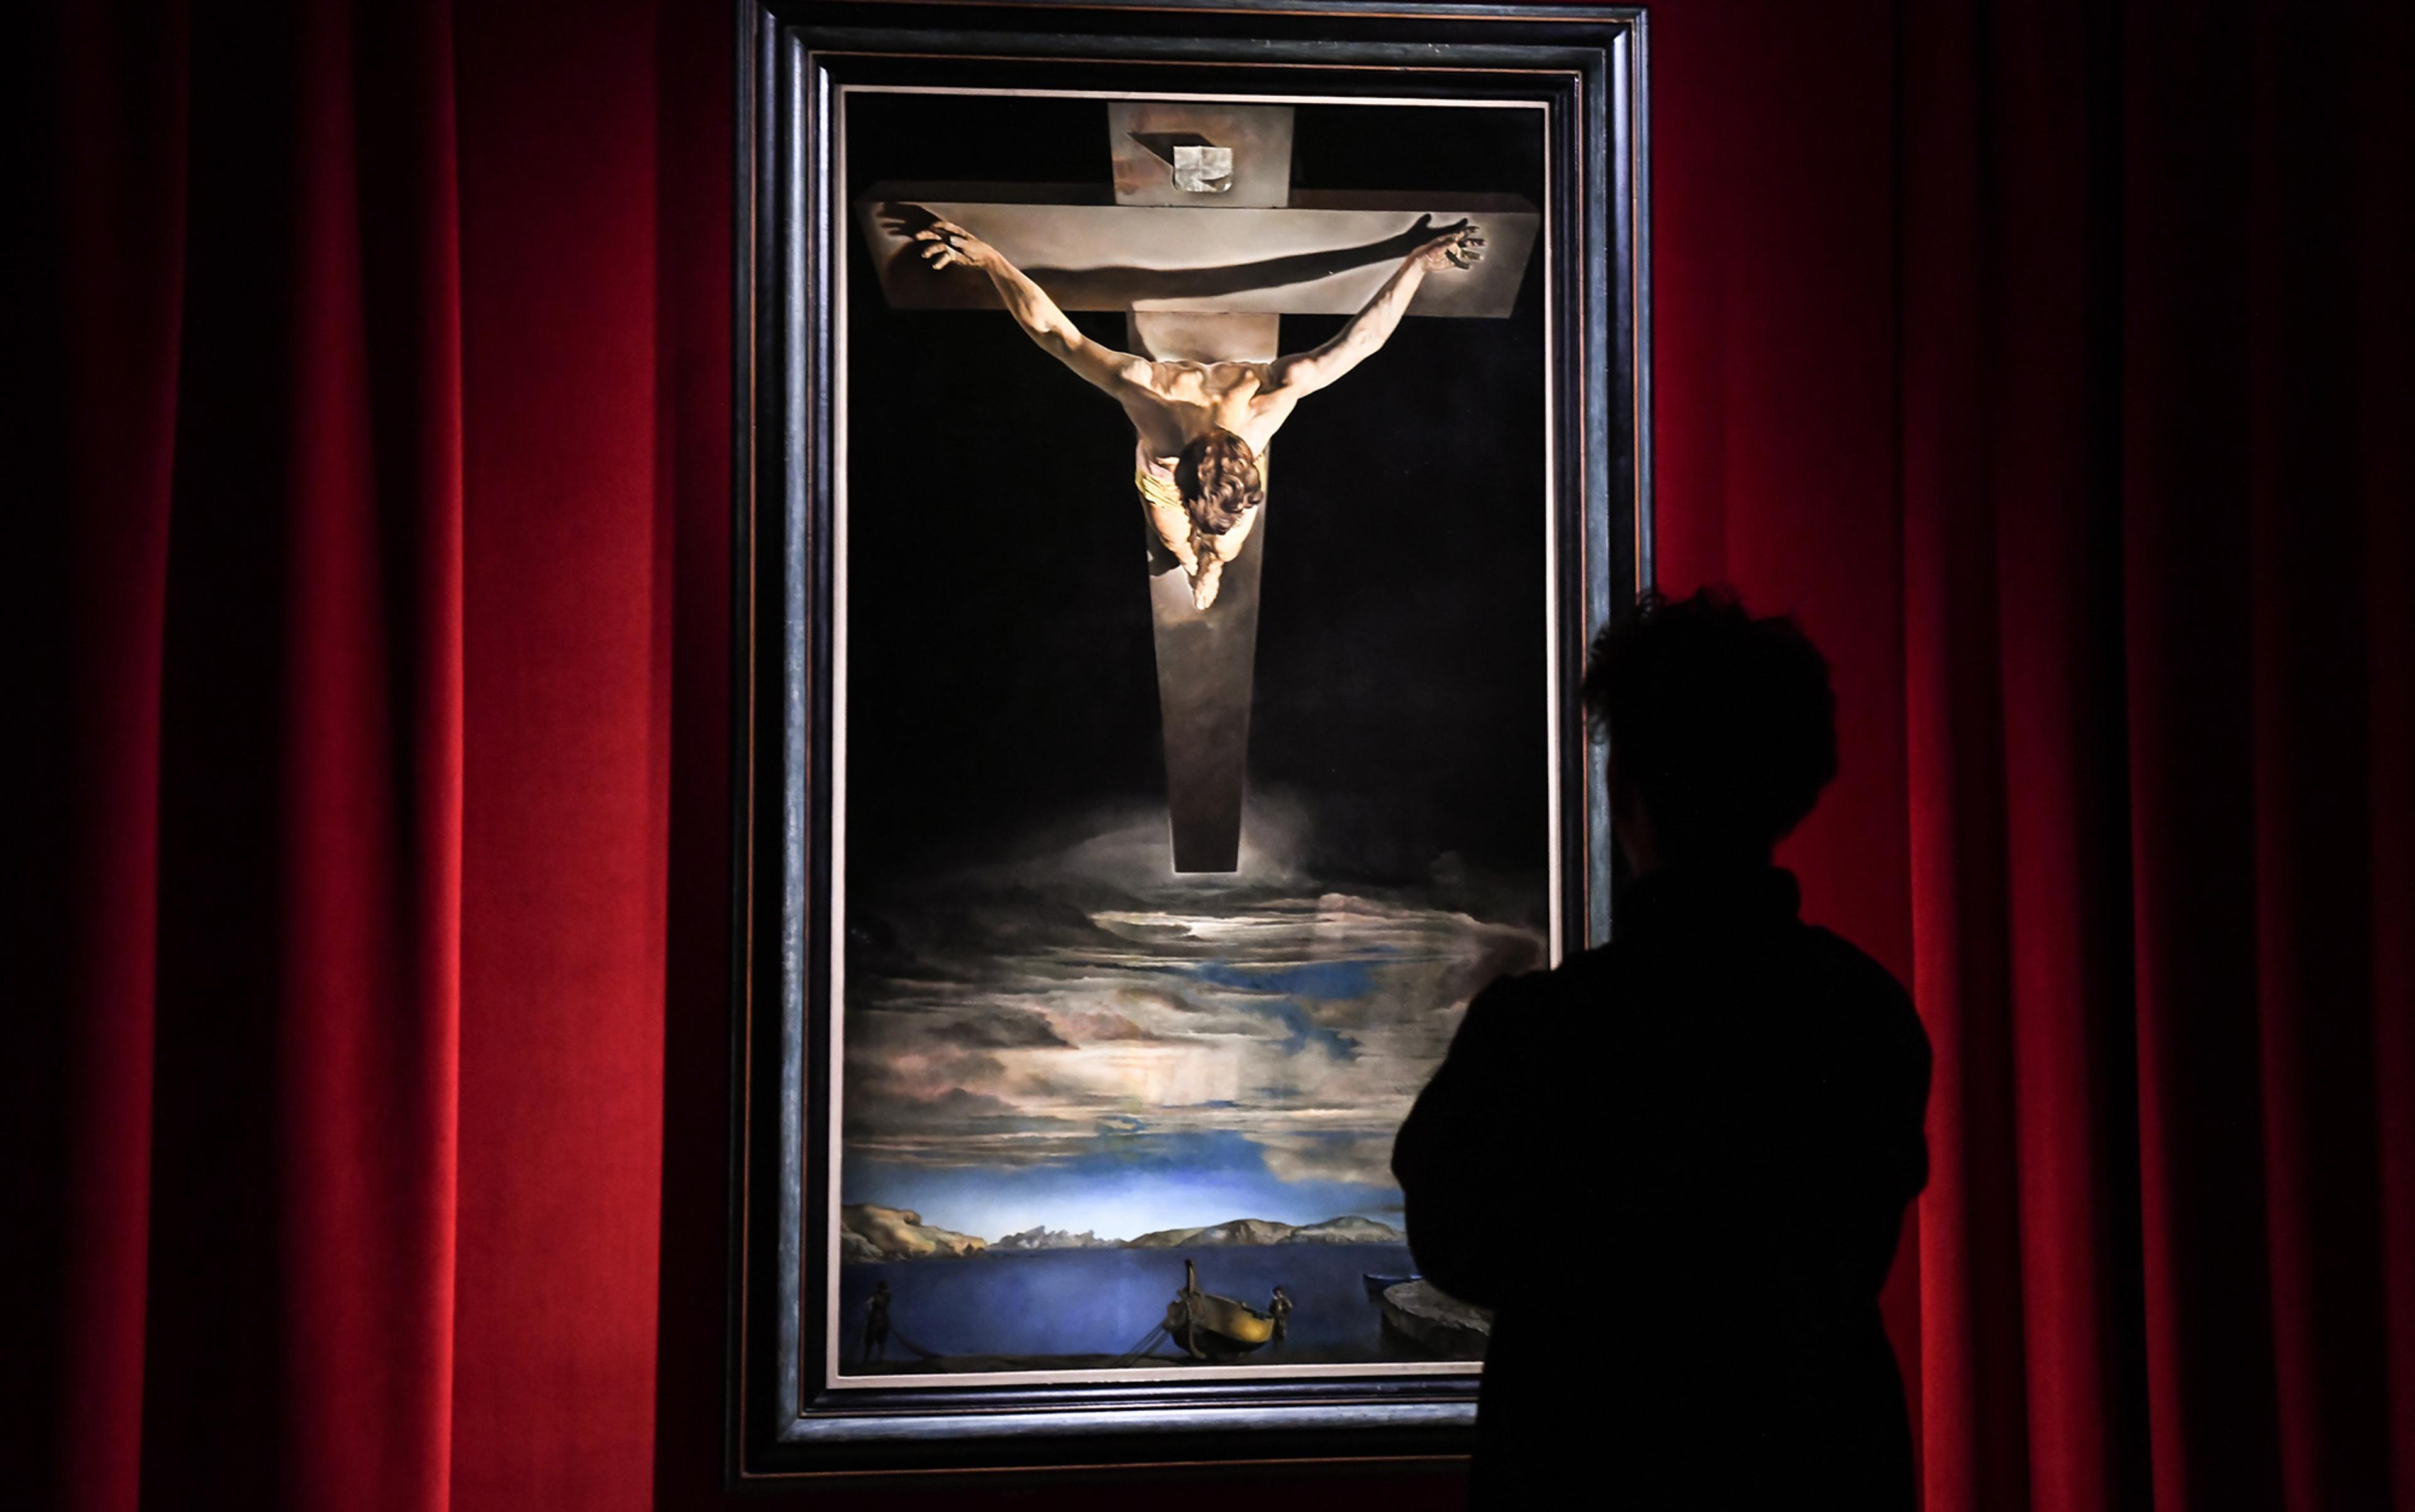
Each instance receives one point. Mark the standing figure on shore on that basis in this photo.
(875, 1323)
(1203, 427)
(1280, 1310)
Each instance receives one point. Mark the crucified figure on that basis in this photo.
(1203, 427)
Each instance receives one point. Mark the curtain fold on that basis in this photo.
(300, 1296)
(2155, 541)
(362, 1053)
(249, 1081)
(569, 685)
(102, 135)
(2012, 561)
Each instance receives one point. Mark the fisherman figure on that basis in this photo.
(1184, 1313)
(875, 1323)
(1280, 1310)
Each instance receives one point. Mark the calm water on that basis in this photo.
(1059, 1302)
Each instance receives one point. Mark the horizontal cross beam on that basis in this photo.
(1325, 254)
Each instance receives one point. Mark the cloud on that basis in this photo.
(1005, 1028)
(954, 1109)
(1363, 1159)
(1094, 1024)
(1026, 1014)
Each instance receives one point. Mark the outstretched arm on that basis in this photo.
(947, 245)
(1454, 246)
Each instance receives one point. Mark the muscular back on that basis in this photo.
(1172, 404)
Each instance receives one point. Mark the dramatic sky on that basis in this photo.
(1083, 1040)
(1045, 1024)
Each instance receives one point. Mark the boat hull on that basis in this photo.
(1211, 1328)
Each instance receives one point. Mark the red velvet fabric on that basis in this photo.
(363, 1037)
(244, 982)
(2155, 571)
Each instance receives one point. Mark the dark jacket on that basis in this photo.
(1677, 1168)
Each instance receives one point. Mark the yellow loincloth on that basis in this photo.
(1156, 492)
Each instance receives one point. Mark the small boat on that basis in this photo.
(1378, 1285)
(1211, 1328)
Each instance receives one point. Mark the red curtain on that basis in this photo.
(2156, 493)
(233, 1104)
(364, 1035)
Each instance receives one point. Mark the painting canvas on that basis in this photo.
(1172, 857)
(1185, 453)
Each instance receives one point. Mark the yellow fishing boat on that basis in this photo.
(1212, 1327)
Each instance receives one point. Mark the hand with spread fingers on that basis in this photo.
(946, 245)
(1461, 245)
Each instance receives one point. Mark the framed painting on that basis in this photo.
(1126, 821)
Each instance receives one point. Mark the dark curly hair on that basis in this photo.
(1219, 480)
(1724, 725)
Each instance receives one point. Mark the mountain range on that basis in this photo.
(869, 1233)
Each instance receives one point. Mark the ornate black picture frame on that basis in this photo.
(1577, 73)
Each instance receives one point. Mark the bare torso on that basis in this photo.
(1172, 404)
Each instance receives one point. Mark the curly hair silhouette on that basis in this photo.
(1723, 724)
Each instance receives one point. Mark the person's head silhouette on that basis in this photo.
(1721, 729)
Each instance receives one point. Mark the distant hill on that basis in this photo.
(1349, 1230)
(1048, 1239)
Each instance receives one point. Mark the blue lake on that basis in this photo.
(1016, 1309)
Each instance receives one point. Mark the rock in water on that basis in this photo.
(1437, 1320)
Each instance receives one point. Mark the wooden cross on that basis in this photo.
(1204, 245)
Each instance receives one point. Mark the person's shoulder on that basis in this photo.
(1850, 962)
(1582, 979)
(1858, 981)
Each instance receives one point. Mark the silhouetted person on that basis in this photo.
(875, 1323)
(1677, 1166)
(1280, 1310)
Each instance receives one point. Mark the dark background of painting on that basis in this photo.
(1002, 676)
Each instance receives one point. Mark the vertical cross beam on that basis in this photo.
(1182, 153)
